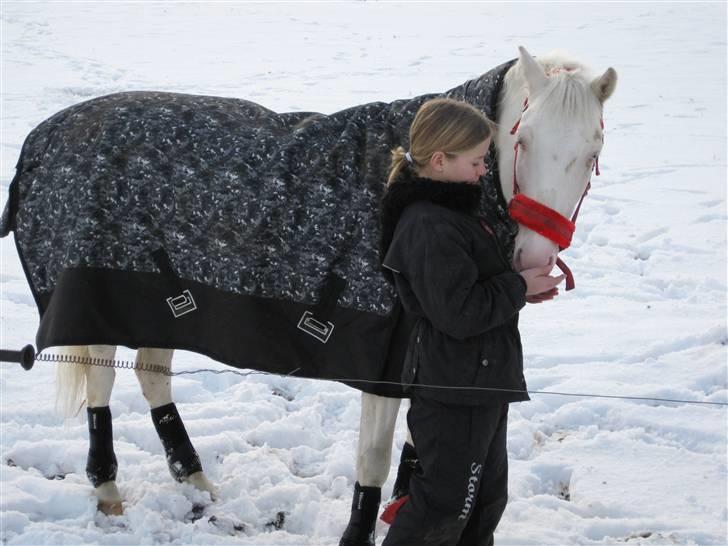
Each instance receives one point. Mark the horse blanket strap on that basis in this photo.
(542, 219)
(161, 258)
(330, 292)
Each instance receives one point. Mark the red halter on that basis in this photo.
(542, 219)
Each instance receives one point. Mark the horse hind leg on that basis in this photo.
(101, 464)
(182, 459)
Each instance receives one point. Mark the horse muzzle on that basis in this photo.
(554, 229)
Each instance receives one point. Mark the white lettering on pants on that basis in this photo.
(472, 484)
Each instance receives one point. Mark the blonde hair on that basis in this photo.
(446, 125)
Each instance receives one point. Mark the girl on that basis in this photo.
(450, 273)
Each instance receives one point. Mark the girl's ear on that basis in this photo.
(437, 161)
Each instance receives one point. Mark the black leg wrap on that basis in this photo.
(101, 463)
(182, 459)
(364, 509)
(407, 464)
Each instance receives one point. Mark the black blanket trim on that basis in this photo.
(246, 332)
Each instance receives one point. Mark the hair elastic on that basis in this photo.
(408, 157)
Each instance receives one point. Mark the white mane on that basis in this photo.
(569, 90)
(558, 58)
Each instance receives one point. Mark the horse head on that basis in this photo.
(554, 107)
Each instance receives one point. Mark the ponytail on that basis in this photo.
(399, 164)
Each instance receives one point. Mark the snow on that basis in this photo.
(648, 317)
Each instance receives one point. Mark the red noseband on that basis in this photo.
(542, 220)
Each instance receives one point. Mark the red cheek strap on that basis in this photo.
(542, 219)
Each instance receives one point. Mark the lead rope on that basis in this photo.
(156, 368)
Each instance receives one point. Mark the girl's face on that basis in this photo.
(466, 166)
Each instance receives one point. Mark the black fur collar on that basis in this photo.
(409, 188)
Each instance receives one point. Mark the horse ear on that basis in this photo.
(534, 73)
(604, 85)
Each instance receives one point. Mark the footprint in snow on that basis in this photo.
(710, 218)
(51, 473)
(228, 525)
(599, 240)
(642, 254)
(652, 234)
(711, 203)
(551, 480)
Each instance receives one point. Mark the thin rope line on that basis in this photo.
(584, 395)
(166, 371)
(490, 389)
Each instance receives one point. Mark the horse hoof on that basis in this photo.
(111, 508)
(201, 482)
(109, 499)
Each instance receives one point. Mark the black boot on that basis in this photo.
(407, 465)
(364, 509)
(101, 463)
(182, 459)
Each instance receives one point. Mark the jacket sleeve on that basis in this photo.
(434, 260)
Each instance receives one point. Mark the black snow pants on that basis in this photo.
(459, 489)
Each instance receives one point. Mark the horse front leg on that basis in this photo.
(182, 459)
(101, 463)
(374, 452)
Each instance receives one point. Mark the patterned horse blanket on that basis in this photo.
(215, 225)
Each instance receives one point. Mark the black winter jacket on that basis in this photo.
(451, 274)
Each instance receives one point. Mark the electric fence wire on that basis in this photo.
(156, 368)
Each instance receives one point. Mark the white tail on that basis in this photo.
(70, 380)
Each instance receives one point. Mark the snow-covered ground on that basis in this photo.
(648, 317)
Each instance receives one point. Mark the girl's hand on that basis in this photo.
(540, 283)
(545, 296)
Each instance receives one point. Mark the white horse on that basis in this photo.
(558, 137)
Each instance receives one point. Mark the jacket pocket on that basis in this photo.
(491, 349)
(501, 366)
(493, 356)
